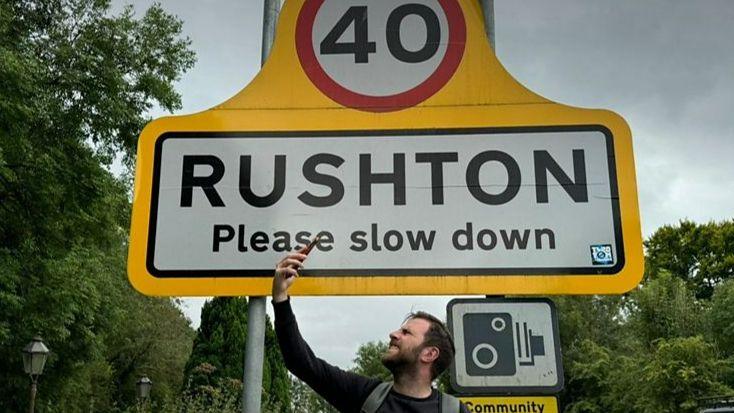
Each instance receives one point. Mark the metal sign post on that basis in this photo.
(488, 12)
(255, 345)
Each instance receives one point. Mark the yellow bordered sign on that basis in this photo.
(529, 404)
(393, 131)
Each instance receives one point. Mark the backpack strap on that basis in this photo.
(375, 399)
(449, 404)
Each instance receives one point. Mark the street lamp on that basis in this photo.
(143, 388)
(34, 358)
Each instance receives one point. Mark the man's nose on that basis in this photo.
(393, 335)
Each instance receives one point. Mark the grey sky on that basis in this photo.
(666, 66)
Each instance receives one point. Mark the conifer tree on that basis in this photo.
(220, 343)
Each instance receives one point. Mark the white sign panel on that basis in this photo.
(505, 346)
(461, 202)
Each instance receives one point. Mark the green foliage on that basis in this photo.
(219, 349)
(664, 307)
(75, 84)
(305, 400)
(276, 381)
(597, 318)
(672, 378)
(700, 254)
(593, 330)
(663, 346)
(721, 318)
(681, 371)
(221, 336)
(369, 361)
(208, 391)
(586, 375)
(153, 339)
(101, 74)
(443, 382)
(222, 397)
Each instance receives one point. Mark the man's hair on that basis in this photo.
(437, 336)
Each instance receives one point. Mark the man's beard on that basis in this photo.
(400, 362)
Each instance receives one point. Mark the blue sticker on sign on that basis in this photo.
(602, 254)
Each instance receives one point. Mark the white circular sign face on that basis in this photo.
(380, 55)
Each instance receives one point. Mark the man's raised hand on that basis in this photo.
(286, 272)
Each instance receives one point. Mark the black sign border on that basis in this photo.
(514, 390)
(551, 271)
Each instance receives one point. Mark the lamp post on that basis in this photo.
(143, 387)
(34, 358)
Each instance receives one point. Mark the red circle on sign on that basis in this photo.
(388, 103)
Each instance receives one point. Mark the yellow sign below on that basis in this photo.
(545, 404)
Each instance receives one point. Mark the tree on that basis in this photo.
(305, 400)
(151, 338)
(593, 330)
(220, 343)
(368, 361)
(600, 319)
(221, 336)
(681, 371)
(75, 84)
(721, 318)
(276, 380)
(586, 377)
(659, 347)
(700, 254)
(209, 392)
(664, 307)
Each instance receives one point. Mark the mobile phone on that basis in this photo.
(308, 248)
(310, 245)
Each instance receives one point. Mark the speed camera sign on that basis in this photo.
(505, 346)
(380, 55)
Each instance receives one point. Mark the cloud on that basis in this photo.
(666, 66)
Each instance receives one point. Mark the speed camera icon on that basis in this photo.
(497, 345)
(489, 343)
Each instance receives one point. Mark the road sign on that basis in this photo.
(527, 404)
(398, 53)
(390, 128)
(505, 346)
(246, 211)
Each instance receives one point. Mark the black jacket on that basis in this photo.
(344, 390)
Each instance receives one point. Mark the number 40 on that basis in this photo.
(361, 47)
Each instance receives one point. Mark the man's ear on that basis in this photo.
(429, 354)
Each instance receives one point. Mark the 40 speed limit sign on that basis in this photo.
(390, 130)
(380, 55)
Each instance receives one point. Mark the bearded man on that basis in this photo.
(419, 351)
